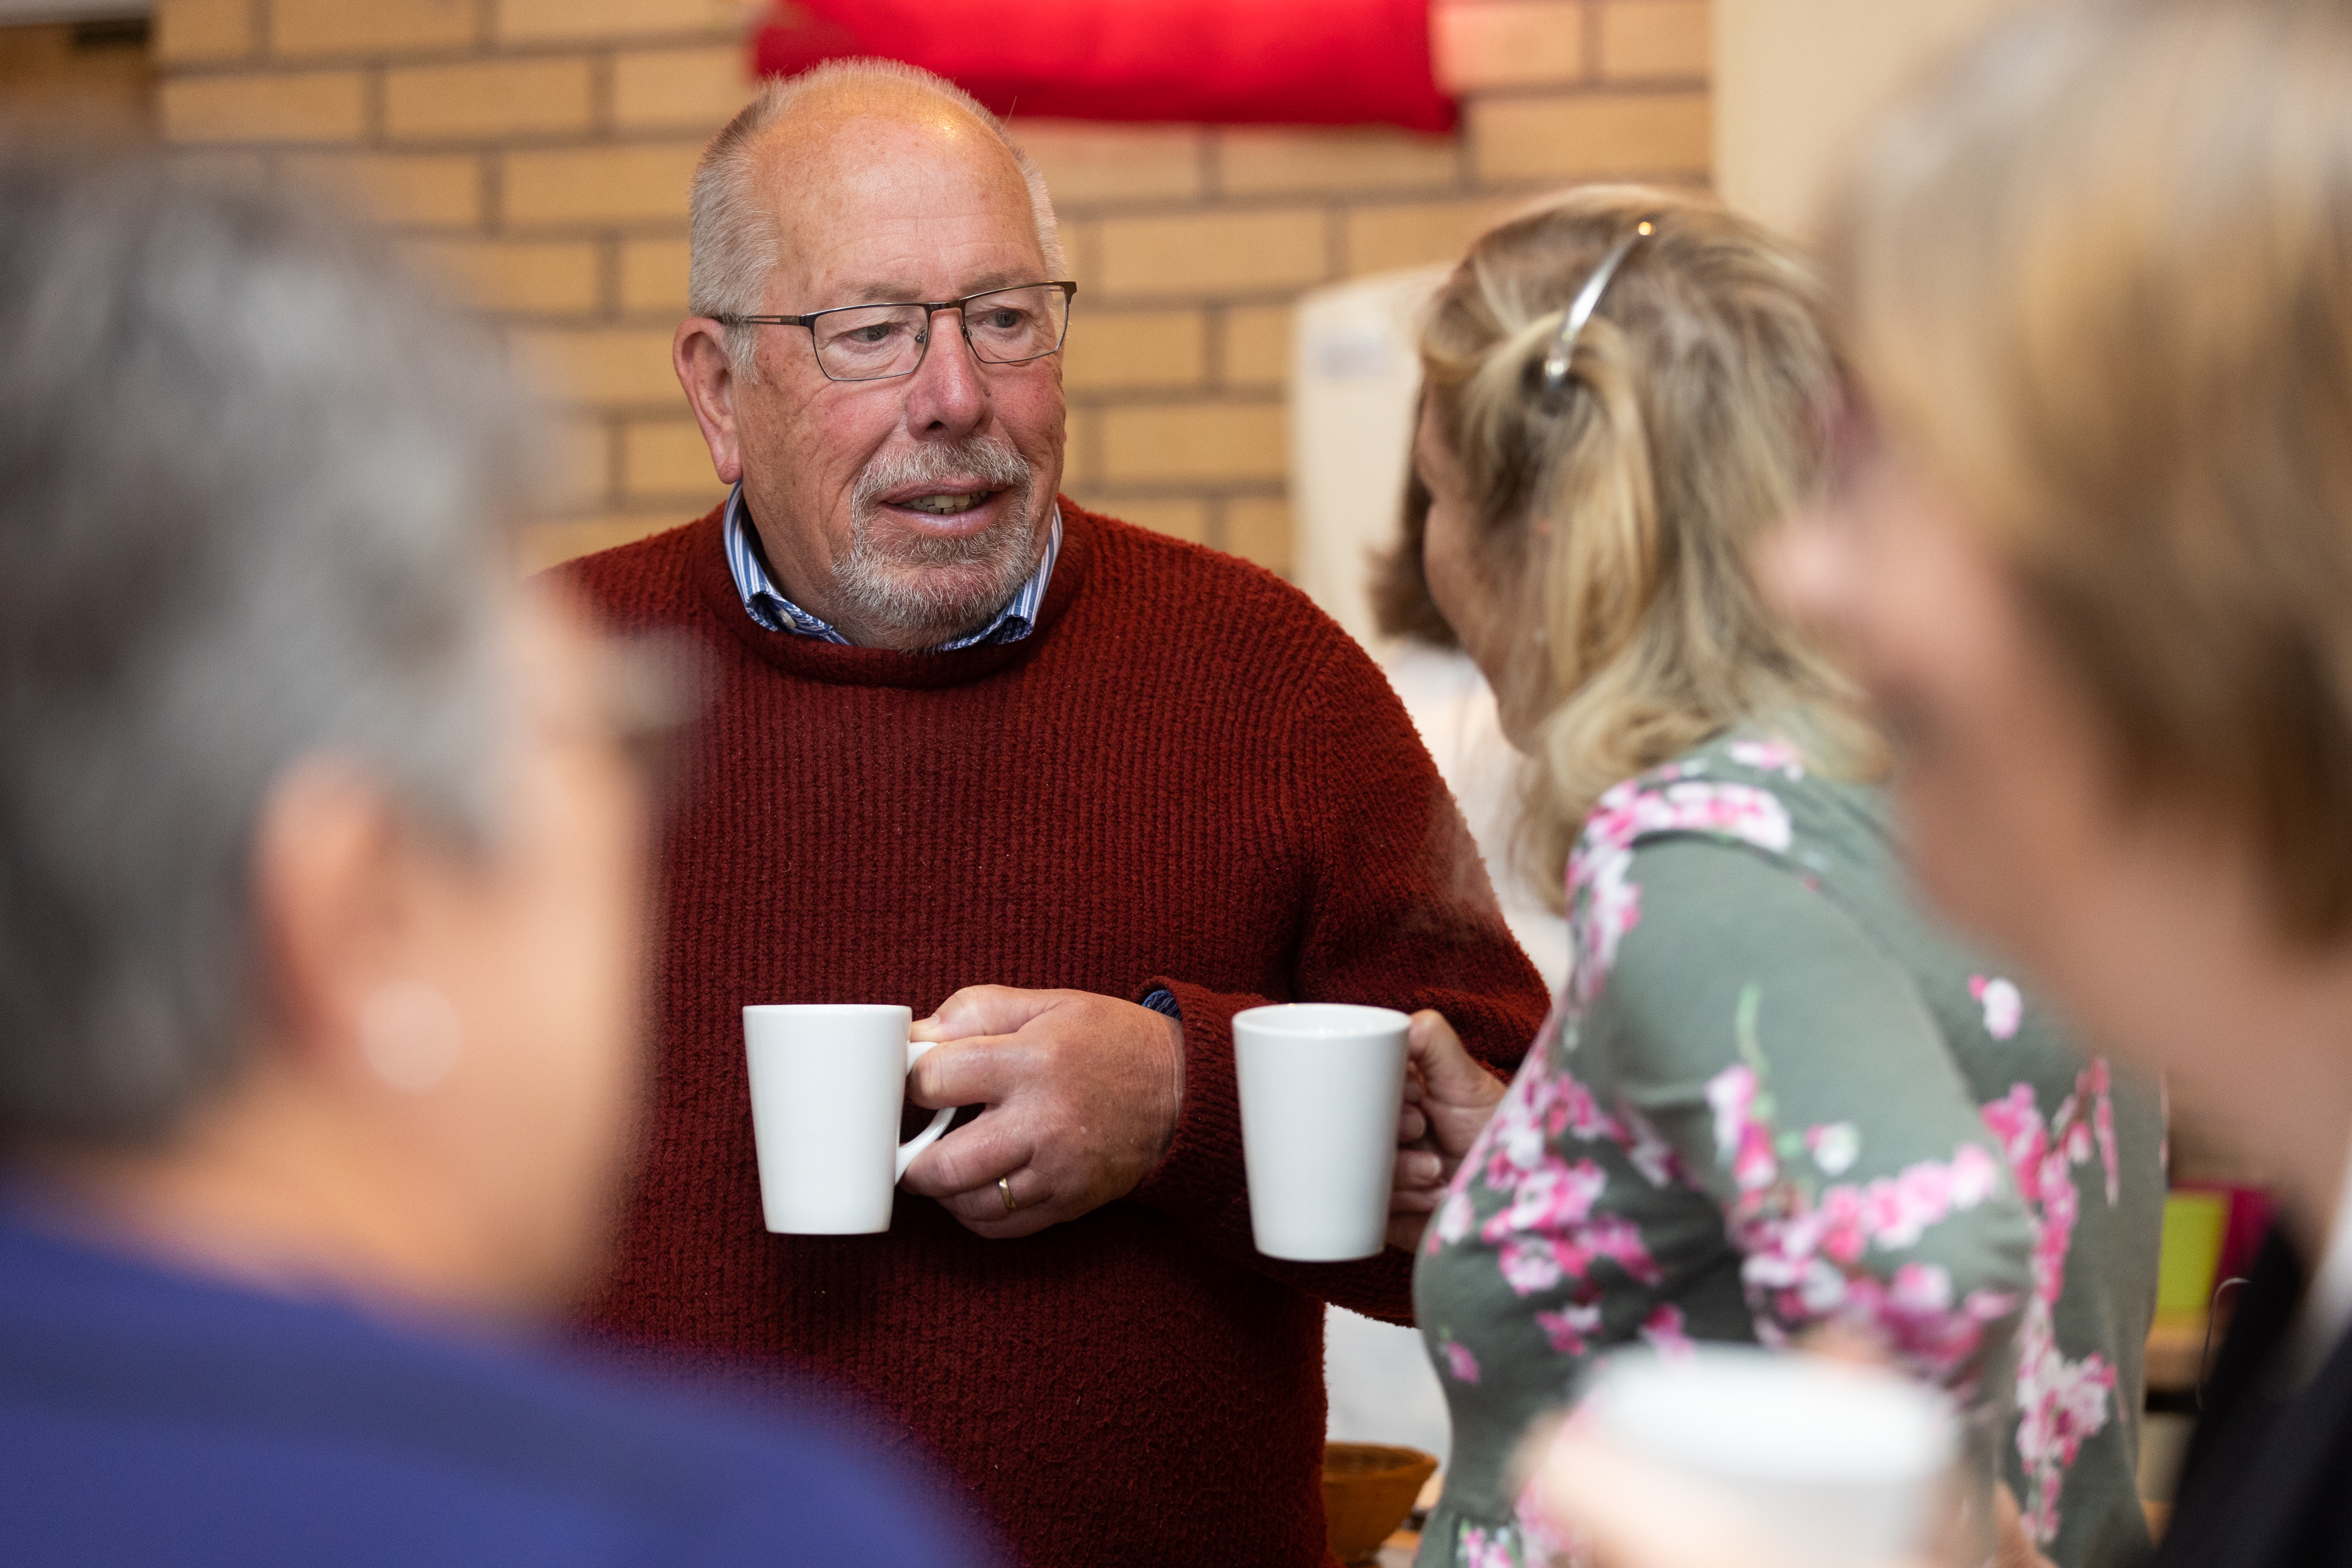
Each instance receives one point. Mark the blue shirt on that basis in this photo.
(766, 605)
(147, 1417)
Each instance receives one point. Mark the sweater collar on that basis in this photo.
(840, 665)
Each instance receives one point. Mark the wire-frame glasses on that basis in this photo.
(875, 342)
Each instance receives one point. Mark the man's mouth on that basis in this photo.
(946, 504)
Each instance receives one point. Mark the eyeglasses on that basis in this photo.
(875, 342)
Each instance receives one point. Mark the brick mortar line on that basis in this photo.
(373, 107)
(1586, 91)
(1299, 202)
(1096, 297)
(603, 95)
(266, 63)
(609, 279)
(519, 142)
(1277, 294)
(567, 140)
(623, 229)
(1168, 490)
(634, 413)
(1262, 395)
(564, 141)
(685, 505)
(283, 65)
(1302, 198)
(492, 179)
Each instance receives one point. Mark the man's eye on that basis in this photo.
(1001, 321)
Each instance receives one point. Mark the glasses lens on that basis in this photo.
(869, 341)
(1014, 325)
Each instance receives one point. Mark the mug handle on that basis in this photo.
(929, 1135)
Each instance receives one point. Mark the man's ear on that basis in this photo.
(698, 355)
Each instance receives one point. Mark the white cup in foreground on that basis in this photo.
(1831, 1465)
(1321, 1083)
(828, 1086)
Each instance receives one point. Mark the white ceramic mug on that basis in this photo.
(828, 1087)
(1823, 1463)
(1321, 1084)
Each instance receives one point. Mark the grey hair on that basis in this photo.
(254, 485)
(734, 239)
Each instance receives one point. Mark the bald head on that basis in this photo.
(791, 174)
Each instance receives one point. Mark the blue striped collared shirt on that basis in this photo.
(764, 605)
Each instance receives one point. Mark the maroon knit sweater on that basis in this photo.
(1185, 777)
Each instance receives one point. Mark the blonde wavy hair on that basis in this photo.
(1627, 503)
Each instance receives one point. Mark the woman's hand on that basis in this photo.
(1448, 1098)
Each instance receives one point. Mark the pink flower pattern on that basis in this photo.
(1805, 1249)
(1809, 1249)
(1549, 1231)
(1571, 1330)
(2004, 1006)
(1768, 756)
(1604, 902)
(1477, 1548)
(2061, 1401)
(1815, 1248)
(1541, 1539)
(1663, 1332)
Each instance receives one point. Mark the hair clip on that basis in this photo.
(1587, 299)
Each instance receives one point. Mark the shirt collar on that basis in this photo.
(770, 609)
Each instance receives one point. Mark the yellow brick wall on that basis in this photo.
(535, 153)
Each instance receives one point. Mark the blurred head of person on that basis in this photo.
(1585, 536)
(2092, 550)
(899, 467)
(320, 864)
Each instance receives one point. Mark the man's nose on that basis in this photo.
(948, 393)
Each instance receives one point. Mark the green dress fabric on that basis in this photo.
(1774, 1096)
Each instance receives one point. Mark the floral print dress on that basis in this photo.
(1774, 1097)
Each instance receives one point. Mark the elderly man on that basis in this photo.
(1084, 791)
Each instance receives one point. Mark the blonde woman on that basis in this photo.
(1773, 1097)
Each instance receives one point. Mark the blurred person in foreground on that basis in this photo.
(2094, 557)
(1084, 790)
(322, 896)
(1775, 1102)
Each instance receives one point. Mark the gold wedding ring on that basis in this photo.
(1004, 1191)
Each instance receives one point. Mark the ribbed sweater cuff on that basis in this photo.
(1200, 1179)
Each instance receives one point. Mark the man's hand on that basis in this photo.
(1448, 1098)
(1082, 1094)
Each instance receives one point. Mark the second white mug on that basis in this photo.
(828, 1087)
(1321, 1083)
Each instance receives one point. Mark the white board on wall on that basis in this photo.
(1355, 370)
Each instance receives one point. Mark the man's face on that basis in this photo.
(906, 511)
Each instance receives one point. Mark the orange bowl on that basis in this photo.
(1368, 1492)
